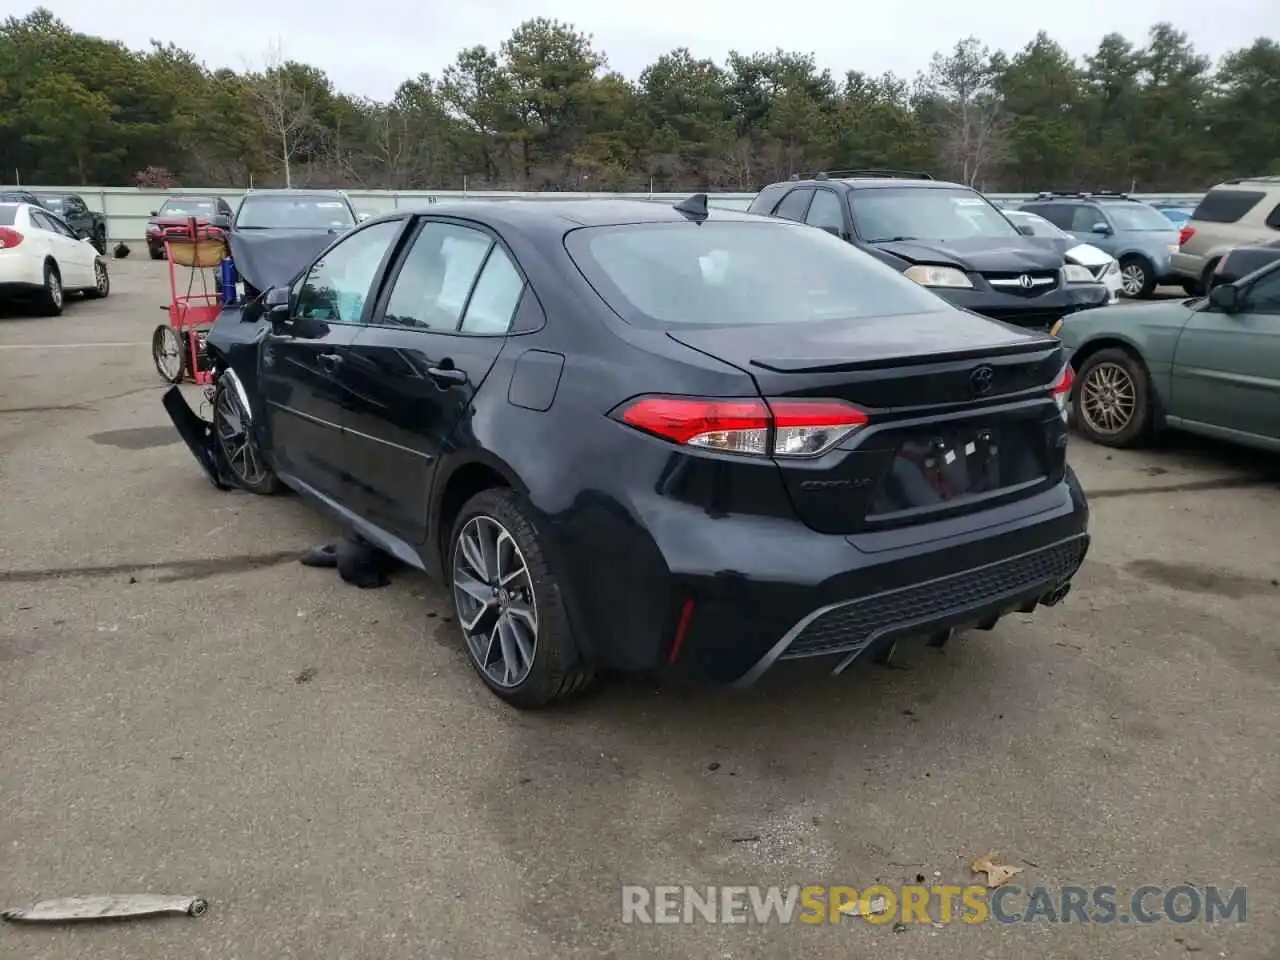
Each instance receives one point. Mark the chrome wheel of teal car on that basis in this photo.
(1108, 398)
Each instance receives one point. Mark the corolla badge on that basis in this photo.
(981, 380)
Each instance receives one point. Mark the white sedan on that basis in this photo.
(41, 259)
(1101, 264)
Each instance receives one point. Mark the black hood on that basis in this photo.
(983, 255)
(272, 258)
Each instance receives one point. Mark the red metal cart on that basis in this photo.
(194, 253)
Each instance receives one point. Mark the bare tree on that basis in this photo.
(968, 115)
(283, 108)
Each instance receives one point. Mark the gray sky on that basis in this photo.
(370, 46)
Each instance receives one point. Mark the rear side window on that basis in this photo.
(1273, 218)
(1226, 206)
(689, 274)
(1059, 214)
(767, 198)
(794, 205)
(8, 214)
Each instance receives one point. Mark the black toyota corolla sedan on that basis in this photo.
(645, 437)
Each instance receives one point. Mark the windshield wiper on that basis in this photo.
(892, 239)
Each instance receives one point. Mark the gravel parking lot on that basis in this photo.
(187, 709)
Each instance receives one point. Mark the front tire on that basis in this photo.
(1112, 402)
(51, 297)
(509, 605)
(1137, 277)
(101, 288)
(237, 446)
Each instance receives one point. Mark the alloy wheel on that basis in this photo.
(100, 281)
(54, 286)
(1108, 398)
(494, 595)
(1133, 278)
(232, 428)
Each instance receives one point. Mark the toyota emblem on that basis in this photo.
(1025, 282)
(981, 380)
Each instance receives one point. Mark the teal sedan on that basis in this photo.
(1208, 365)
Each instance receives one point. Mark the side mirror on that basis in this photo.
(363, 215)
(1101, 228)
(1225, 298)
(1026, 231)
(276, 301)
(155, 213)
(834, 231)
(221, 221)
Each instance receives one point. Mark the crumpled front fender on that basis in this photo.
(197, 433)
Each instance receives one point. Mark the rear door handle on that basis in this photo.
(447, 376)
(329, 361)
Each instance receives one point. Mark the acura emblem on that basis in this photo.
(981, 380)
(1025, 282)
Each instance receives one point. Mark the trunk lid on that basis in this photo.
(961, 415)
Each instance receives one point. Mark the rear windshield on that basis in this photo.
(926, 213)
(1137, 216)
(293, 213)
(1225, 206)
(689, 274)
(188, 208)
(8, 212)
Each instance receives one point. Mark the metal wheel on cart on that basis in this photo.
(169, 353)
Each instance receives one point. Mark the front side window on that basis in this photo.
(338, 285)
(689, 274)
(1085, 217)
(825, 212)
(884, 214)
(1263, 295)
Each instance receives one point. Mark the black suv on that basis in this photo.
(945, 236)
(86, 223)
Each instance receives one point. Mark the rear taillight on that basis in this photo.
(1061, 389)
(781, 427)
(1185, 234)
(9, 238)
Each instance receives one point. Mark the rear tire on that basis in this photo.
(236, 445)
(516, 632)
(50, 299)
(1112, 402)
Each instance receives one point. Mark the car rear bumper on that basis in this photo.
(1038, 313)
(20, 273)
(725, 598)
(1187, 266)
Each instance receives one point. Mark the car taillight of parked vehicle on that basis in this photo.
(9, 238)
(780, 427)
(1185, 234)
(1061, 390)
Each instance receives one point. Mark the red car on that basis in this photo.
(175, 212)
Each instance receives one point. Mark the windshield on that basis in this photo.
(1137, 216)
(932, 213)
(293, 213)
(188, 208)
(665, 274)
(8, 214)
(1040, 227)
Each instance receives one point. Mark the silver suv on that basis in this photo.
(1237, 213)
(1138, 235)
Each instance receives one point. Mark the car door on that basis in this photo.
(1085, 218)
(1226, 370)
(304, 382)
(429, 345)
(74, 259)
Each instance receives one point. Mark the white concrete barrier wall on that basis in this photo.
(127, 208)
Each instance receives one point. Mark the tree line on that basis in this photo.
(544, 112)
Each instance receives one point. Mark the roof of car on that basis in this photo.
(564, 215)
(877, 183)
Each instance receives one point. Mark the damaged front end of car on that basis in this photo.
(232, 342)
